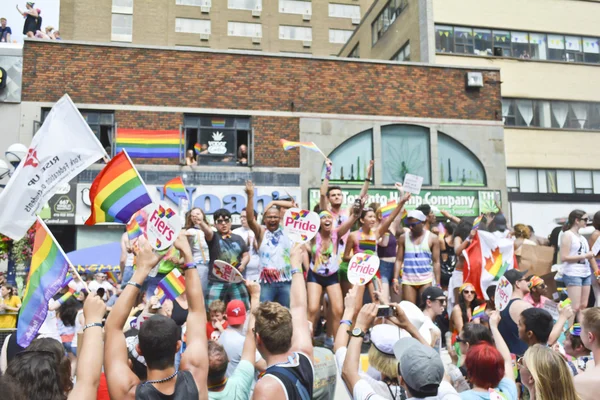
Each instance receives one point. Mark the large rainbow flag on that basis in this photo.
(117, 192)
(144, 143)
(47, 272)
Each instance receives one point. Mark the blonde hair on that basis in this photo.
(386, 364)
(274, 326)
(522, 231)
(591, 321)
(550, 373)
(217, 306)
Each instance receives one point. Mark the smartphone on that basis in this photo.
(385, 311)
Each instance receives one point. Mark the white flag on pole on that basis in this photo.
(62, 148)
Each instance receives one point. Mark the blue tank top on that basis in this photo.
(510, 331)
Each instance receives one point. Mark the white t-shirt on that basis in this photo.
(364, 391)
(199, 246)
(49, 328)
(233, 342)
(108, 288)
(579, 245)
(436, 332)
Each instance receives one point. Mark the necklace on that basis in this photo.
(168, 378)
(218, 385)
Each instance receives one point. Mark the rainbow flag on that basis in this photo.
(197, 148)
(173, 284)
(176, 188)
(134, 230)
(387, 210)
(160, 294)
(111, 276)
(143, 143)
(68, 279)
(404, 214)
(479, 311)
(117, 192)
(288, 145)
(47, 273)
(218, 122)
(477, 222)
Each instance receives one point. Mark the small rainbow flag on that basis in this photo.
(575, 329)
(143, 143)
(111, 276)
(404, 214)
(197, 148)
(479, 311)
(173, 284)
(68, 279)
(288, 145)
(176, 188)
(134, 230)
(47, 273)
(117, 192)
(477, 222)
(218, 122)
(367, 245)
(387, 210)
(160, 294)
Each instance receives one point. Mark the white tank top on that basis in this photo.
(579, 245)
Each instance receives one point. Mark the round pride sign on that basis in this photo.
(300, 225)
(362, 268)
(163, 226)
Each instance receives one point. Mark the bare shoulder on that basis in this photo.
(268, 387)
(586, 384)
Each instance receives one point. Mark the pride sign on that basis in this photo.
(362, 268)
(300, 225)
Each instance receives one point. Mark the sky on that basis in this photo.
(50, 15)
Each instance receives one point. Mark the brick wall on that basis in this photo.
(267, 148)
(156, 77)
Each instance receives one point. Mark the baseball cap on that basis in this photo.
(384, 337)
(499, 222)
(236, 312)
(514, 275)
(420, 366)
(416, 214)
(432, 293)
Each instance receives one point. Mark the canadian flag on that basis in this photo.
(487, 259)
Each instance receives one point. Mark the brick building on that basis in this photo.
(409, 118)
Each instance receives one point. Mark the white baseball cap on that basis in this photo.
(416, 214)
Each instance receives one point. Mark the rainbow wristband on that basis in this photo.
(65, 297)
(597, 273)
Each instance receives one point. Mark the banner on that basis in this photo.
(62, 148)
(60, 209)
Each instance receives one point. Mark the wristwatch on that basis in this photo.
(357, 332)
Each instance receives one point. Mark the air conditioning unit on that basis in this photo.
(355, 21)
(307, 43)
(306, 17)
(256, 13)
(256, 40)
(205, 9)
(204, 36)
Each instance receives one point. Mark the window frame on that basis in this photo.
(390, 12)
(592, 121)
(402, 52)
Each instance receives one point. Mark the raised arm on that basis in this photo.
(451, 217)
(365, 189)
(124, 251)
(252, 223)
(121, 380)
(501, 345)
(365, 318)
(564, 315)
(323, 202)
(347, 224)
(301, 340)
(386, 223)
(90, 355)
(402, 322)
(249, 350)
(349, 247)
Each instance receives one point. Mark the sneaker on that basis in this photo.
(329, 342)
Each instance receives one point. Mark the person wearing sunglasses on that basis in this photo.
(578, 261)
(537, 290)
(512, 313)
(463, 311)
(433, 305)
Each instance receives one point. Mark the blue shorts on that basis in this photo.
(569, 280)
(386, 270)
(322, 280)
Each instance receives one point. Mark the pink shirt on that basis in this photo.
(529, 299)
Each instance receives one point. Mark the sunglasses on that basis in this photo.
(414, 224)
(460, 340)
(222, 221)
(584, 219)
(469, 291)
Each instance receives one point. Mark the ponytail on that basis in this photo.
(573, 216)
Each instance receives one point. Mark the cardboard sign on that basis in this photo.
(503, 293)
(300, 225)
(412, 183)
(163, 226)
(226, 272)
(537, 260)
(552, 308)
(362, 268)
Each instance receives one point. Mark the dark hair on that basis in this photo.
(463, 306)
(331, 188)
(538, 321)
(428, 391)
(10, 388)
(217, 362)
(485, 365)
(61, 362)
(158, 341)
(365, 211)
(596, 221)
(317, 208)
(221, 212)
(137, 367)
(531, 229)
(11, 289)
(491, 291)
(37, 374)
(425, 209)
(573, 216)
(576, 341)
(67, 312)
(463, 229)
(450, 227)
(255, 213)
(476, 333)
(188, 218)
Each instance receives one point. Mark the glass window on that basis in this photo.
(463, 39)
(403, 54)
(344, 11)
(560, 113)
(508, 112)
(188, 25)
(339, 35)
(528, 181)
(564, 180)
(525, 112)
(591, 50)
(244, 29)
(355, 53)
(458, 165)
(574, 49)
(556, 47)
(295, 7)
(196, 3)
(483, 42)
(122, 6)
(122, 28)
(223, 140)
(596, 181)
(287, 32)
(405, 150)
(386, 17)
(542, 183)
(244, 4)
(351, 159)
(520, 45)
(578, 115)
(594, 119)
(444, 39)
(512, 180)
(502, 44)
(551, 181)
(583, 182)
(537, 46)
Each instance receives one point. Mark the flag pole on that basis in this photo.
(137, 173)
(89, 130)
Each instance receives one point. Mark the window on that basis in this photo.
(574, 49)
(403, 54)
(556, 47)
(295, 33)
(244, 4)
(122, 6)
(344, 11)
(339, 35)
(551, 114)
(295, 7)
(444, 39)
(553, 181)
(405, 150)
(520, 45)
(122, 28)
(463, 40)
(512, 180)
(458, 165)
(564, 180)
(483, 42)
(537, 46)
(188, 25)
(386, 17)
(501, 43)
(528, 181)
(196, 3)
(351, 159)
(355, 53)
(583, 182)
(244, 29)
(591, 50)
(223, 140)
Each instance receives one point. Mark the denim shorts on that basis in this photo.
(386, 269)
(569, 280)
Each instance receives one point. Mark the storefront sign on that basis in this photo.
(60, 209)
(300, 225)
(461, 203)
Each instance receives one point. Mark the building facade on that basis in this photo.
(549, 56)
(428, 123)
(317, 27)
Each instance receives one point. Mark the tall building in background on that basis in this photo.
(548, 53)
(318, 27)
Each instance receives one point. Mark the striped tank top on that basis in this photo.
(418, 267)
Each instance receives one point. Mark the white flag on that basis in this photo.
(62, 148)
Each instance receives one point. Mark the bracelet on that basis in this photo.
(137, 285)
(187, 266)
(395, 280)
(346, 321)
(296, 271)
(92, 325)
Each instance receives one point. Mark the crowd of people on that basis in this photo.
(296, 327)
(32, 26)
